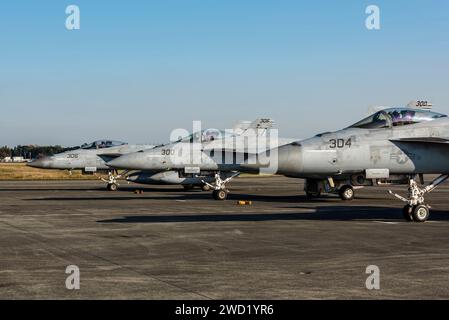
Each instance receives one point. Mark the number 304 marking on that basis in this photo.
(339, 143)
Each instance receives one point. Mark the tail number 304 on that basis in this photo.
(339, 143)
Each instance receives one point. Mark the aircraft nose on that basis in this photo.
(40, 163)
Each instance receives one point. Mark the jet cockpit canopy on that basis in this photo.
(393, 117)
(102, 144)
(207, 135)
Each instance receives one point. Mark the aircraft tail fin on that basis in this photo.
(416, 104)
(241, 126)
(420, 104)
(257, 127)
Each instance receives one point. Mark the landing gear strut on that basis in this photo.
(416, 209)
(219, 187)
(112, 184)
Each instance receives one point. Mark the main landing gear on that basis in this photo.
(416, 209)
(314, 188)
(219, 186)
(346, 193)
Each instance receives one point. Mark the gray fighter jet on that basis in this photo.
(395, 145)
(217, 155)
(91, 158)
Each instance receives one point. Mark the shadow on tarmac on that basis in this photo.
(331, 213)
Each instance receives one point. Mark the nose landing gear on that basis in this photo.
(112, 183)
(219, 187)
(220, 194)
(416, 209)
(112, 187)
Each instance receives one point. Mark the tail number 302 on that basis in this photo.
(339, 143)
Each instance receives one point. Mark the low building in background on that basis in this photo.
(19, 159)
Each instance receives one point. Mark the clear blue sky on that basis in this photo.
(137, 69)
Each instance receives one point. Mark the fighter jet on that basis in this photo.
(191, 176)
(394, 145)
(216, 155)
(91, 158)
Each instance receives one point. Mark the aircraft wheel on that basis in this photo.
(346, 193)
(112, 187)
(420, 213)
(206, 187)
(407, 212)
(311, 194)
(220, 194)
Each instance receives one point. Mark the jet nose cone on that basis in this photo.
(40, 163)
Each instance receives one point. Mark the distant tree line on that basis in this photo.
(31, 152)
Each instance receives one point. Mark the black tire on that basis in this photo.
(420, 213)
(312, 189)
(112, 187)
(206, 187)
(220, 194)
(346, 193)
(407, 213)
(311, 195)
